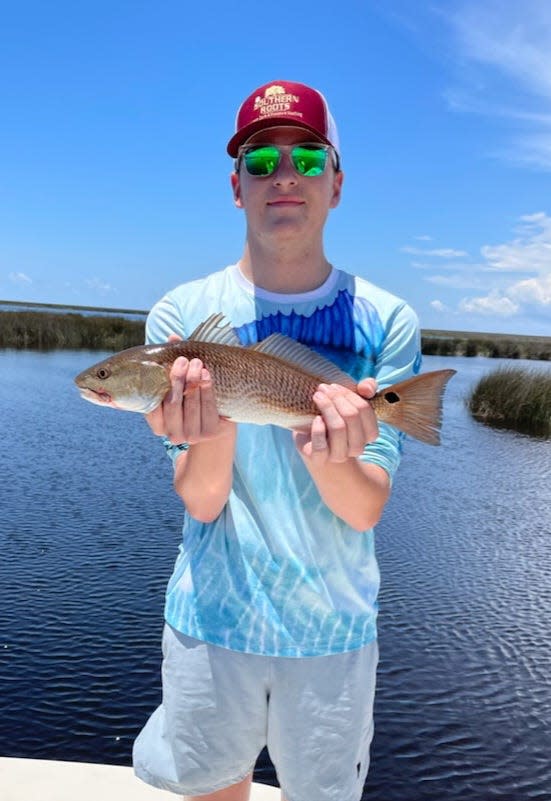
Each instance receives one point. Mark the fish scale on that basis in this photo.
(254, 387)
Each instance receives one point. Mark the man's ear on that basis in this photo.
(236, 189)
(337, 189)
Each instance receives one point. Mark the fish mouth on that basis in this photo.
(96, 395)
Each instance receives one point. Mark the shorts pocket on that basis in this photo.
(187, 673)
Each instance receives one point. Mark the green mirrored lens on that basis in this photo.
(262, 160)
(309, 160)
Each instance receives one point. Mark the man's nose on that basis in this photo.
(285, 173)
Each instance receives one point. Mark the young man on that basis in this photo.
(270, 635)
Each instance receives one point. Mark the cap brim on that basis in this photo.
(273, 122)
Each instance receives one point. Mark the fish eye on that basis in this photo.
(392, 397)
(103, 373)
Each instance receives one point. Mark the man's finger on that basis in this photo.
(350, 412)
(156, 422)
(319, 435)
(192, 401)
(210, 418)
(172, 404)
(335, 425)
(367, 418)
(367, 387)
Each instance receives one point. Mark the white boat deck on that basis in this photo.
(44, 780)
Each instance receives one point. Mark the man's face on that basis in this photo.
(286, 204)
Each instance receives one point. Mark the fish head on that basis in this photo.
(134, 384)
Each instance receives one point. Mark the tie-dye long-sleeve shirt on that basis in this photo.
(277, 573)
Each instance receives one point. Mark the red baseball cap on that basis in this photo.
(284, 103)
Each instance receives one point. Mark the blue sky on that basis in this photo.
(115, 115)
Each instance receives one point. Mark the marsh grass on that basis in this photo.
(493, 346)
(47, 331)
(514, 398)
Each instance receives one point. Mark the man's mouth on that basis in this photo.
(286, 201)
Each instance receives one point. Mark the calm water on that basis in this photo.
(89, 529)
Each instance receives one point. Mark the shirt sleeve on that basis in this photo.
(399, 358)
(163, 319)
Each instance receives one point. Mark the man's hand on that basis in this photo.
(346, 423)
(188, 413)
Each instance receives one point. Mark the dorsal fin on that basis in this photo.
(217, 329)
(302, 356)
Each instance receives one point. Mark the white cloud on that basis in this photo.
(20, 278)
(500, 51)
(469, 278)
(529, 252)
(533, 292)
(493, 304)
(442, 253)
(514, 38)
(423, 238)
(100, 286)
(529, 151)
(438, 306)
(511, 278)
(504, 51)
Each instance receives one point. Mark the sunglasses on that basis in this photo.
(309, 159)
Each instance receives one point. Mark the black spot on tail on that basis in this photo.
(392, 397)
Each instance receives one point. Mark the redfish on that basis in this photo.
(271, 382)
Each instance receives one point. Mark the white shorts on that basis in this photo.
(221, 707)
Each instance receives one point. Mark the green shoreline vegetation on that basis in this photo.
(30, 330)
(514, 398)
(493, 346)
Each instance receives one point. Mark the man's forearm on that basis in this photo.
(203, 475)
(355, 491)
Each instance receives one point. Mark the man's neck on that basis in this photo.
(287, 270)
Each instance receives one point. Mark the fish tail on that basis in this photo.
(415, 405)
